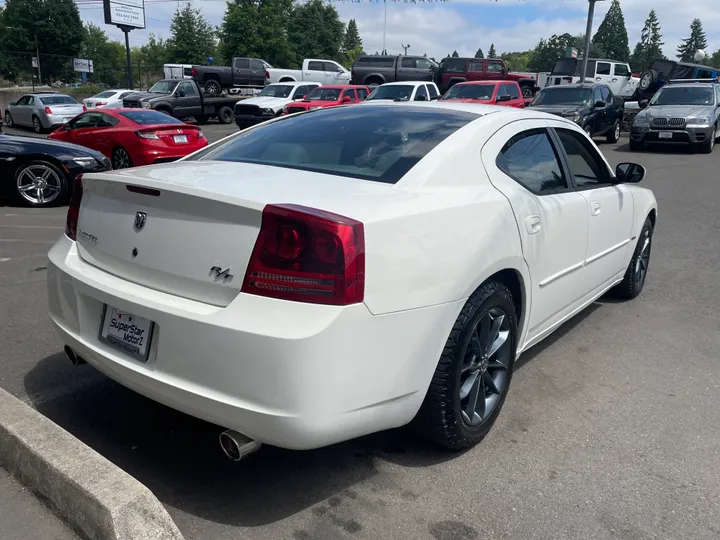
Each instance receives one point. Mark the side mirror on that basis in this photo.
(504, 97)
(297, 98)
(643, 103)
(420, 98)
(347, 99)
(13, 103)
(599, 104)
(629, 173)
(340, 70)
(503, 71)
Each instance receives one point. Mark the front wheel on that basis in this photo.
(634, 280)
(39, 184)
(613, 135)
(213, 88)
(527, 92)
(8, 119)
(225, 115)
(473, 376)
(709, 144)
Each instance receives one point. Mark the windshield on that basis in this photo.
(163, 87)
(277, 90)
(683, 95)
(324, 94)
(146, 118)
(58, 100)
(105, 94)
(400, 92)
(563, 96)
(371, 143)
(470, 91)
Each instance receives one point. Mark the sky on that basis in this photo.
(463, 25)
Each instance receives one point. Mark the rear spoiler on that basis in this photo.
(713, 80)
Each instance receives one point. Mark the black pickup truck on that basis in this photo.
(380, 69)
(182, 99)
(245, 72)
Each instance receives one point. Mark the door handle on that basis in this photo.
(615, 79)
(532, 223)
(595, 208)
(598, 78)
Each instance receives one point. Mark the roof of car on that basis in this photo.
(691, 85)
(407, 83)
(468, 83)
(342, 86)
(294, 83)
(576, 85)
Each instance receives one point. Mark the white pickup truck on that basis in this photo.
(617, 75)
(320, 71)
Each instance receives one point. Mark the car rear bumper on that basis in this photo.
(51, 120)
(289, 374)
(689, 135)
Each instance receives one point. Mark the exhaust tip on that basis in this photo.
(74, 358)
(237, 446)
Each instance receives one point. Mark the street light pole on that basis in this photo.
(588, 36)
(37, 55)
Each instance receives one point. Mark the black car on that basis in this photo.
(40, 172)
(591, 106)
(380, 69)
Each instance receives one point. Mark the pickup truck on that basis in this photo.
(313, 70)
(245, 72)
(617, 75)
(182, 99)
(455, 70)
(380, 69)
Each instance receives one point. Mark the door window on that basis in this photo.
(421, 92)
(349, 93)
(495, 67)
(530, 159)
(476, 65)
(597, 96)
(315, 66)
(22, 101)
(606, 95)
(513, 91)
(30, 100)
(188, 89)
(621, 70)
(585, 163)
(408, 62)
(603, 68)
(257, 65)
(107, 121)
(432, 91)
(242, 63)
(502, 90)
(87, 120)
(330, 67)
(362, 94)
(423, 63)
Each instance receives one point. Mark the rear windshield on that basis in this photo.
(324, 94)
(105, 94)
(563, 96)
(380, 144)
(683, 95)
(150, 117)
(470, 91)
(399, 92)
(58, 100)
(564, 66)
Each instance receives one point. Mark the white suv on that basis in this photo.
(617, 75)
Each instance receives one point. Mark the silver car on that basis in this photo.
(684, 113)
(42, 111)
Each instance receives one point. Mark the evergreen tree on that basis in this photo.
(193, 38)
(697, 41)
(612, 36)
(479, 54)
(650, 45)
(352, 37)
(455, 54)
(715, 59)
(547, 52)
(315, 31)
(491, 52)
(579, 43)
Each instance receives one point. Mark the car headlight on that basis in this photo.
(86, 162)
(145, 105)
(285, 109)
(699, 121)
(573, 117)
(641, 121)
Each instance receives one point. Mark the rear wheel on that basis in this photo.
(527, 92)
(121, 158)
(8, 119)
(39, 184)
(37, 126)
(613, 135)
(473, 375)
(213, 88)
(225, 115)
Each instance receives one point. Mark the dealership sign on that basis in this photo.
(83, 65)
(128, 13)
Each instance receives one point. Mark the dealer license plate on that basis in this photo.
(180, 139)
(127, 332)
(665, 135)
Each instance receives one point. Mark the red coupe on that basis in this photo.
(328, 96)
(132, 137)
(506, 93)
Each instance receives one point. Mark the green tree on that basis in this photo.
(715, 59)
(315, 31)
(517, 61)
(612, 36)
(579, 44)
(492, 53)
(455, 54)
(257, 28)
(650, 45)
(479, 54)
(352, 55)
(696, 42)
(352, 37)
(546, 52)
(193, 38)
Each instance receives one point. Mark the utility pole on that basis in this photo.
(588, 37)
(37, 55)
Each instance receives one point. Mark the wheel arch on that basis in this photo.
(287, 78)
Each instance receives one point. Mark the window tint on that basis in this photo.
(513, 91)
(475, 65)
(107, 120)
(349, 93)
(187, 72)
(315, 66)
(376, 61)
(585, 164)
(495, 67)
(329, 66)
(22, 101)
(380, 144)
(242, 63)
(257, 65)
(606, 95)
(408, 62)
(87, 120)
(124, 95)
(421, 92)
(106, 94)
(603, 68)
(145, 118)
(30, 100)
(423, 63)
(621, 70)
(597, 95)
(454, 65)
(530, 159)
(432, 90)
(362, 94)
(502, 90)
(188, 88)
(57, 100)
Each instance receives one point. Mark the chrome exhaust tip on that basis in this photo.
(237, 446)
(74, 358)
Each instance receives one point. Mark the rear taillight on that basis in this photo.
(200, 134)
(48, 110)
(147, 135)
(73, 212)
(267, 74)
(84, 108)
(194, 71)
(307, 255)
(98, 104)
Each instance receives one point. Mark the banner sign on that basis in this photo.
(83, 65)
(125, 13)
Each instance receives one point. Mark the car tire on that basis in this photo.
(467, 368)
(613, 135)
(39, 184)
(648, 81)
(37, 125)
(213, 88)
(636, 273)
(636, 146)
(709, 144)
(588, 130)
(121, 159)
(9, 119)
(226, 115)
(527, 92)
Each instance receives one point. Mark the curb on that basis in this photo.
(95, 497)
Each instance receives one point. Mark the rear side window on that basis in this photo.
(475, 65)
(495, 67)
(242, 63)
(603, 68)
(454, 65)
(315, 66)
(408, 62)
(513, 91)
(379, 144)
(530, 159)
(621, 70)
(187, 72)
(376, 61)
(145, 118)
(432, 91)
(258, 65)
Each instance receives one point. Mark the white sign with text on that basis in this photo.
(125, 12)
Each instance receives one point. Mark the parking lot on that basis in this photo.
(611, 428)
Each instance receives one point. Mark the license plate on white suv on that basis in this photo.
(127, 332)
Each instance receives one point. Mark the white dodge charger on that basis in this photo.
(332, 274)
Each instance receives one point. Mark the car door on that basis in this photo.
(19, 111)
(475, 70)
(81, 129)
(257, 72)
(610, 211)
(424, 69)
(241, 72)
(620, 79)
(516, 99)
(603, 72)
(407, 70)
(315, 72)
(523, 162)
(494, 70)
(188, 103)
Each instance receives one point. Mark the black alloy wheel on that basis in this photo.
(8, 119)
(121, 158)
(636, 273)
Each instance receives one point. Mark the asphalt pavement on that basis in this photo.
(611, 429)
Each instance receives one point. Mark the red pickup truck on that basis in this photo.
(455, 70)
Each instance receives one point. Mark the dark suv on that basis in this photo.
(381, 69)
(663, 71)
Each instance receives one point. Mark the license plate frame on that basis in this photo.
(180, 139)
(665, 135)
(117, 343)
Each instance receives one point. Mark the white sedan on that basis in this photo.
(324, 276)
(108, 98)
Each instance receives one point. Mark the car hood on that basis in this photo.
(678, 111)
(60, 149)
(560, 109)
(268, 102)
(316, 103)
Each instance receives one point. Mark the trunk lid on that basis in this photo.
(204, 221)
(171, 134)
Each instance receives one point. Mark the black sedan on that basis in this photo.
(40, 172)
(591, 106)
